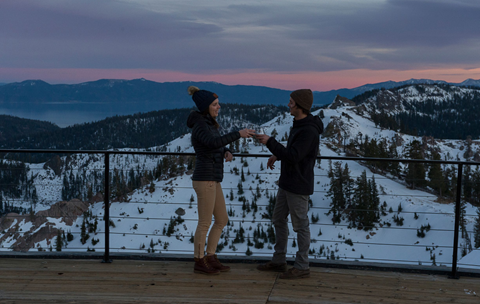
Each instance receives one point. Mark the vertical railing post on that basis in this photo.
(454, 274)
(106, 199)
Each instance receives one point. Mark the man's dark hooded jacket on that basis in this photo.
(298, 158)
(209, 147)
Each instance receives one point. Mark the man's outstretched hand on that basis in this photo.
(262, 138)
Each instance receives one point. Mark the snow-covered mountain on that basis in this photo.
(400, 99)
(160, 217)
(437, 110)
(470, 82)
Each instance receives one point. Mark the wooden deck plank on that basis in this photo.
(346, 286)
(130, 281)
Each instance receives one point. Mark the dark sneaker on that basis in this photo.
(202, 266)
(215, 263)
(269, 266)
(294, 273)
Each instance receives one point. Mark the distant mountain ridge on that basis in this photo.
(146, 95)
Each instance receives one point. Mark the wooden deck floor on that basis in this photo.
(131, 281)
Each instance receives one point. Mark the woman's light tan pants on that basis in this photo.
(210, 201)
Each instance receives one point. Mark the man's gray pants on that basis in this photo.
(297, 206)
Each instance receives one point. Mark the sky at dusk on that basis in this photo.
(287, 44)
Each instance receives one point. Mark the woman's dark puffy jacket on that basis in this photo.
(209, 147)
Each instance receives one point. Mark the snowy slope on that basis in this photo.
(141, 222)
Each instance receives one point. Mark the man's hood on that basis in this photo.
(310, 120)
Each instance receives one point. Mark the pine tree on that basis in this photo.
(373, 214)
(65, 189)
(34, 196)
(58, 242)
(366, 203)
(337, 205)
(274, 133)
(463, 220)
(258, 194)
(475, 200)
(360, 201)
(340, 190)
(476, 230)
(415, 176)
(271, 206)
(83, 231)
(435, 176)
(95, 225)
(192, 199)
(240, 188)
(152, 246)
(394, 166)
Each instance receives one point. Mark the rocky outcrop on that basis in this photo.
(41, 228)
(334, 128)
(68, 211)
(340, 101)
(56, 164)
(398, 140)
(476, 156)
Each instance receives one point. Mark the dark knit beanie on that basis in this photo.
(202, 98)
(303, 98)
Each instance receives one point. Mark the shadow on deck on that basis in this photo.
(133, 281)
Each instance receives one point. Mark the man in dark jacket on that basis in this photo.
(295, 185)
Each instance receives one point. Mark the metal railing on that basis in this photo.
(107, 171)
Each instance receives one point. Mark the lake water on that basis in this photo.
(70, 114)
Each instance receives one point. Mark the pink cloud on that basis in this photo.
(318, 81)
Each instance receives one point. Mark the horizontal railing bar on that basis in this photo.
(173, 235)
(114, 152)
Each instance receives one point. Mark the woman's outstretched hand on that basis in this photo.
(247, 133)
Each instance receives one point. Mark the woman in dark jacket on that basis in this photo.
(210, 152)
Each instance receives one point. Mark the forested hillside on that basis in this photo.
(141, 130)
(12, 127)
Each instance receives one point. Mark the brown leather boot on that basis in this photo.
(295, 273)
(215, 263)
(269, 266)
(202, 266)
